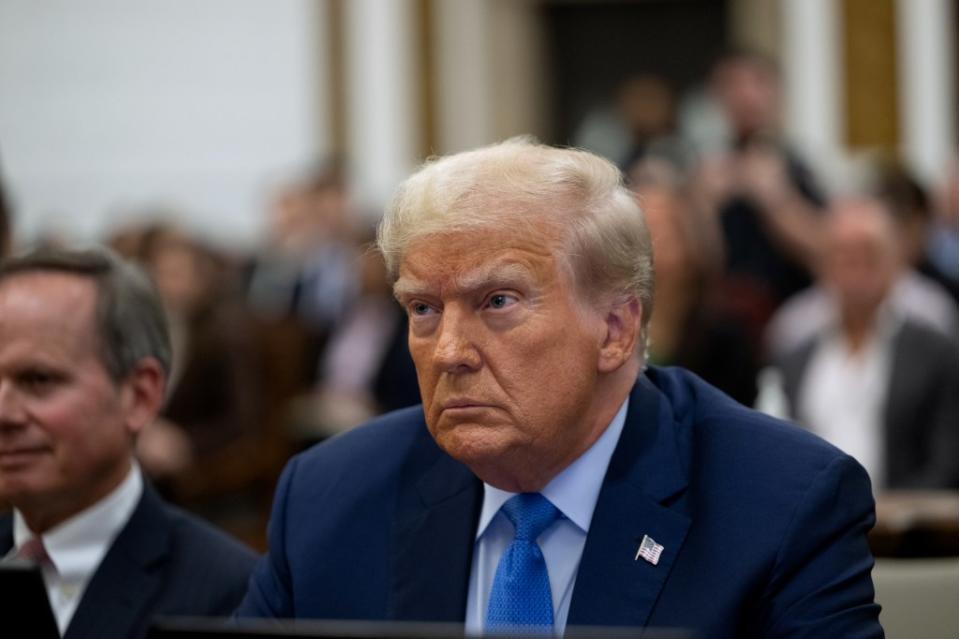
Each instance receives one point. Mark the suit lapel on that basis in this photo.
(613, 586)
(6, 533)
(128, 578)
(433, 540)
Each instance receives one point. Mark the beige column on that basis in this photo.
(812, 77)
(463, 75)
(383, 123)
(927, 100)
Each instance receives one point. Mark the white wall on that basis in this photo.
(201, 105)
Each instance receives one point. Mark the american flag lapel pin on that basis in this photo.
(649, 550)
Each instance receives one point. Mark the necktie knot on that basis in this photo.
(33, 551)
(531, 514)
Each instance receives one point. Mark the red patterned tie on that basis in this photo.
(33, 551)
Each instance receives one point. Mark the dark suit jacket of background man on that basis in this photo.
(163, 562)
(921, 410)
(763, 526)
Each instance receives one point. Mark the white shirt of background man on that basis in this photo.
(77, 546)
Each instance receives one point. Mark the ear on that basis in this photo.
(622, 322)
(143, 392)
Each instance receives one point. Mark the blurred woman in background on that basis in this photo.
(690, 327)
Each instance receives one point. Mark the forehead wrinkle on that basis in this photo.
(483, 275)
(498, 271)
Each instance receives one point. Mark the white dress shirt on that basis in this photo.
(77, 546)
(574, 492)
(843, 393)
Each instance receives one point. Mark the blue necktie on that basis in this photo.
(521, 598)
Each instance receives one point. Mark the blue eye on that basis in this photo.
(501, 300)
(420, 308)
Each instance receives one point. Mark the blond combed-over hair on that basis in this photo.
(519, 184)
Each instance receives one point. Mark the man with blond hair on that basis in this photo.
(549, 478)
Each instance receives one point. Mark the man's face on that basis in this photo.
(861, 262)
(506, 354)
(64, 436)
(749, 95)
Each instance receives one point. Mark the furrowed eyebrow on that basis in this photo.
(503, 274)
(467, 283)
(407, 289)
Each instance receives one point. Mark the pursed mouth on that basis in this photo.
(463, 404)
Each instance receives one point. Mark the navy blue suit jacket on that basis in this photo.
(763, 526)
(163, 562)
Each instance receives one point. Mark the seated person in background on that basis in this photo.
(84, 358)
(549, 479)
(876, 383)
(300, 284)
(212, 397)
(921, 292)
(690, 328)
(912, 209)
(764, 195)
(365, 367)
(943, 250)
(306, 268)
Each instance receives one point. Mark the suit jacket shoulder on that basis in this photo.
(922, 410)
(373, 524)
(763, 526)
(767, 533)
(163, 562)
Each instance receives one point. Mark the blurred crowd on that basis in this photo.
(838, 310)
(835, 309)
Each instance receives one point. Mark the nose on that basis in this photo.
(456, 350)
(12, 413)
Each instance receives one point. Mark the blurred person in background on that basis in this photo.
(690, 329)
(915, 216)
(299, 285)
(874, 382)
(84, 359)
(921, 292)
(126, 240)
(647, 105)
(306, 270)
(365, 368)
(764, 196)
(322, 299)
(213, 401)
(944, 239)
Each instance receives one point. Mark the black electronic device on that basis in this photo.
(24, 606)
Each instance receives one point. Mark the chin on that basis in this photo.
(488, 452)
(472, 443)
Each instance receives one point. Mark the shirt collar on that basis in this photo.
(574, 491)
(77, 545)
(886, 323)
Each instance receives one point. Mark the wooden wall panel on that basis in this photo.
(870, 72)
